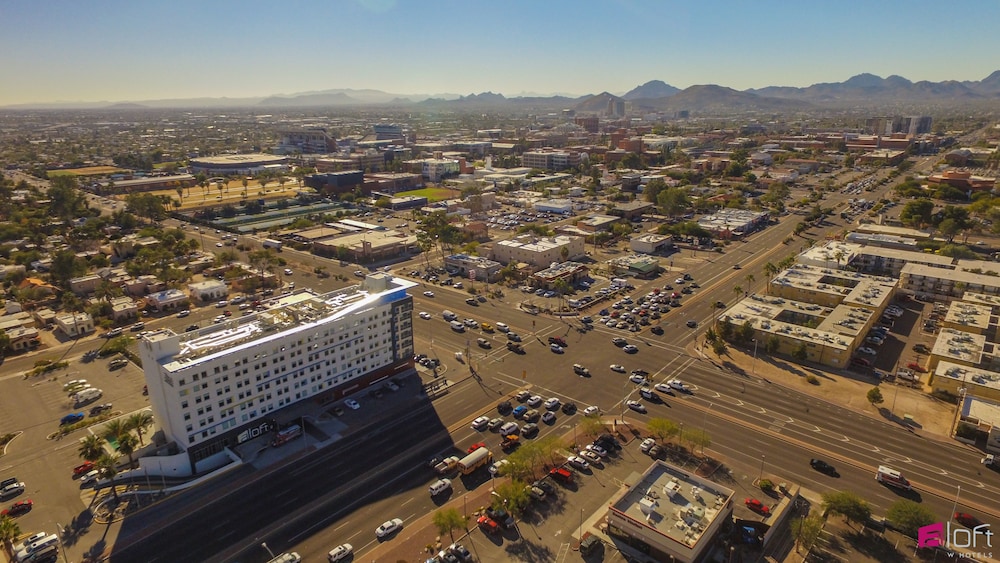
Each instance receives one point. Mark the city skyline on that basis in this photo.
(115, 51)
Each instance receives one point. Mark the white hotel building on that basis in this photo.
(216, 387)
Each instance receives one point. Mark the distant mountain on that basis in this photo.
(870, 88)
(864, 88)
(651, 90)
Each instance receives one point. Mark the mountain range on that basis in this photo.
(655, 95)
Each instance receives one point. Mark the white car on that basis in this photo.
(497, 468)
(617, 368)
(222, 304)
(534, 401)
(590, 456)
(183, 313)
(680, 281)
(630, 349)
(89, 477)
(388, 528)
(340, 552)
(647, 444)
(288, 271)
(636, 406)
(577, 462)
(867, 350)
(678, 385)
(352, 404)
(664, 388)
(601, 452)
(428, 294)
(425, 315)
(480, 422)
(637, 379)
(502, 327)
(592, 410)
(552, 404)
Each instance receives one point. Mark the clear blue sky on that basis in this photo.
(117, 50)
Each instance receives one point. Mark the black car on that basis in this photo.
(504, 407)
(691, 324)
(656, 330)
(569, 408)
(641, 372)
(608, 442)
(98, 409)
(501, 517)
(822, 466)
(544, 485)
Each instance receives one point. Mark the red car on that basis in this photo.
(18, 508)
(967, 520)
(557, 340)
(757, 506)
(475, 447)
(916, 367)
(488, 525)
(84, 467)
(561, 474)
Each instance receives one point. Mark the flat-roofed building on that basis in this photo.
(958, 347)
(167, 300)
(830, 288)
(147, 184)
(551, 159)
(538, 251)
(208, 290)
(569, 272)
(367, 246)
(968, 316)
(651, 243)
(244, 164)
(124, 308)
(220, 386)
(483, 269)
(674, 514)
(596, 222)
(641, 266)
(939, 284)
(75, 324)
(734, 222)
(958, 379)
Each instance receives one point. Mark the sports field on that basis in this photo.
(87, 171)
(432, 194)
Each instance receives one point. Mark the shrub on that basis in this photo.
(812, 379)
(765, 484)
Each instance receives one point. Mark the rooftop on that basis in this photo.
(968, 375)
(969, 314)
(959, 346)
(298, 311)
(836, 327)
(673, 503)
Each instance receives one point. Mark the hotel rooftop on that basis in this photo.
(301, 311)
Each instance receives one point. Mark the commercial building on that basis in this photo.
(217, 387)
(876, 260)
(596, 222)
(305, 141)
(208, 290)
(242, 164)
(482, 269)
(538, 251)
(641, 266)
(367, 246)
(651, 243)
(940, 284)
(147, 183)
(551, 159)
(963, 180)
(75, 324)
(569, 272)
(670, 514)
(168, 299)
(727, 223)
(335, 182)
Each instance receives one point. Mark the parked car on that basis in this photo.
(630, 349)
(757, 506)
(72, 418)
(636, 406)
(18, 508)
(488, 525)
(480, 422)
(617, 368)
(83, 468)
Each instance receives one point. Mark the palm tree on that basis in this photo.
(127, 445)
(9, 531)
(115, 429)
(139, 422)
(750, 279)
(107, 465)
(770, 270)
(91, 448)
(738, 291)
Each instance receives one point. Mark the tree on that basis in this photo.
(874, 396)
(673, 201)
(653, 189)
(662, 428)
(448, 520)
(511, 495)
(949, 228)
(127, 444)
(91, 448)
(9, 531)
(107, 466)
(846, 504)
(909, 516)
(917, 213)
(719, 347)
(738, 291)
(772, 344)
(801, 353)
(139, 422)
(750, 280)
(114, 429)
(807, 531)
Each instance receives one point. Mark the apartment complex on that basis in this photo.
(551, 159)
(215, 388)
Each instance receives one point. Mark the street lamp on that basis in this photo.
(60, 531)
(269, 552)
(761, 476)
(753, 369)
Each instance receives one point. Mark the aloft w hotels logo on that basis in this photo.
(941, 534)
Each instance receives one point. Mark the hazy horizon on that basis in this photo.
(116, 51)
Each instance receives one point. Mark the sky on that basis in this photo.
(118, 50)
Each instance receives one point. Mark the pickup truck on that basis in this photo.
(446, 465)
(515, 347)
(509, 442)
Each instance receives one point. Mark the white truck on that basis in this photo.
(271, 243)
(87, 395)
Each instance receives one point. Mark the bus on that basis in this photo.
(271, 243)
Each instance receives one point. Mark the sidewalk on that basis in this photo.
(930, 417)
